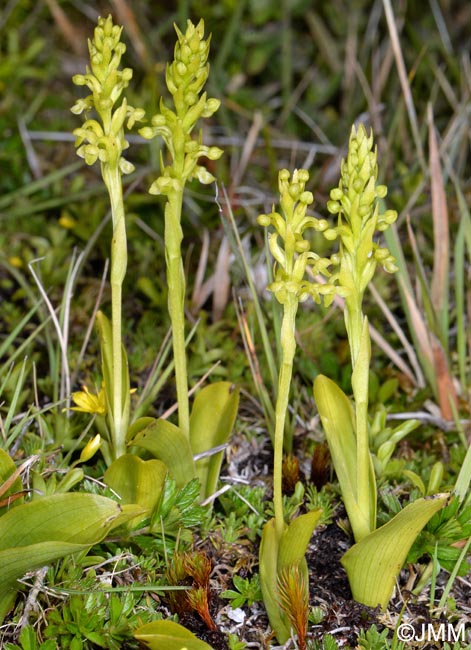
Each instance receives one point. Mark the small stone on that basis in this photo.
(237, 615)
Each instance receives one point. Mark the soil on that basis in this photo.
(343, 618)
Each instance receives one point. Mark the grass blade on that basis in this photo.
(462, 244)
(406, 90)
(441, 239)
(238, 249)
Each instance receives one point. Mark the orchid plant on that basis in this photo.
(374, 562)
(283, 545)
(193, 448)
(185, 77)
(102, 140)
(203, 432)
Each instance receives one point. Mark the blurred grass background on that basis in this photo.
(293, 76)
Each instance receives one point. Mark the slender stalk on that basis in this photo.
(365, 491)
(176, 303)
(357, 329)
(119, 411)
(288, 347)
(353, 317)
(112, 179)
(355, 326)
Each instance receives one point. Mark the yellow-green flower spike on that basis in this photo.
(293, 255)
(105, 141)
(355, 201)
(185, 79)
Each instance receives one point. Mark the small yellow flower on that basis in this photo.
(16, 261)
(89, 402)
(66, 221)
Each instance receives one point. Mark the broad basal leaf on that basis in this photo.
(212, 420)
(268, 569)
(137, 481)
(338, 422)
(373, 564)
(165, 441)
(295, 539)
(46, 529)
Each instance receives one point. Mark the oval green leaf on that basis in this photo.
(165, 441)
(211, 422)
(295, 539)
(168, 635)
(268, 570)
(137, 481)
(47, 529)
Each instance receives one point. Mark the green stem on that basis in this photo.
(119, 403)
(363, 464)
(353, 324)
(176, 303)
(365, 490)
(288, 348)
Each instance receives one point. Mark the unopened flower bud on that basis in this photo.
(330, 234)
(333, 207)
(214, 153)
(211, 107)
(307, 198)
(90, 449)
(263, 220)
